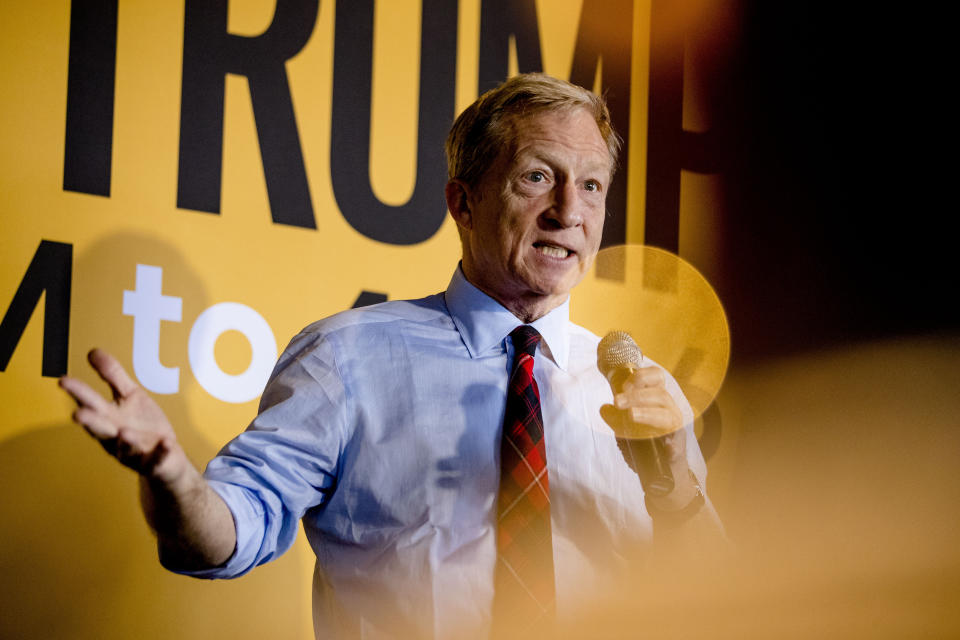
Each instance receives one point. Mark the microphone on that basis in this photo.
(618, 356)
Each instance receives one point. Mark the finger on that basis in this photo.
(97, 424)
(657, 417)
(83, 394)
(645, 377)
(648, 397)
(112, 373)
(623, 426)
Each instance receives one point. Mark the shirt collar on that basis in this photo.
(484, 323)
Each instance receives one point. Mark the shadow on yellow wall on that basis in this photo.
(76, 557)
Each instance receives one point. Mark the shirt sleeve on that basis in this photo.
(695, 459)
(287, 460)
(694, 456)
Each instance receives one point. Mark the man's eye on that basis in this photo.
(592, 185)
(536, 176)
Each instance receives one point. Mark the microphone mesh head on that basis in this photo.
(617, 350)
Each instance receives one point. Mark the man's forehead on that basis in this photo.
(547, 118)
(561, 120)
(534, 133)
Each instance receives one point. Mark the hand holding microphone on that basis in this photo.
(645, 418)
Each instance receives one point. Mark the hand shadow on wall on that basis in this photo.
(77, 559)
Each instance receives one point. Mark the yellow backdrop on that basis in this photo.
(76, 559)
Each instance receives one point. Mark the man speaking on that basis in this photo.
(447, 455)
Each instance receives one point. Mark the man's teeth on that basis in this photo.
(552, 251)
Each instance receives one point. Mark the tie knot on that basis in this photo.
(525, 339)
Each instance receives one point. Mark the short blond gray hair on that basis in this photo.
(483, 129)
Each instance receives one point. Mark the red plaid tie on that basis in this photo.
(524, 575)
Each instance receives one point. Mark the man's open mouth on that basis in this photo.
(551, 250)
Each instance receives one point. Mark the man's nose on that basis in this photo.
(566, 208)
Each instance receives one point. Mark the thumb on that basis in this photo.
(612, 416)
(139, 450)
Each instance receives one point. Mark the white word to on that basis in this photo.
(149, 307)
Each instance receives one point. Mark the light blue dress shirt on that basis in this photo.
(380, 428)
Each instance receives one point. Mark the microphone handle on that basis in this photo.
(646, 456)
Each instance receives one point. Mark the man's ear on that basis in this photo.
(458, 203)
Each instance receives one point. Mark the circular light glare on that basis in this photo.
(668, 307)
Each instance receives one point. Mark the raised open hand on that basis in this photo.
(193, 524)
(131, 427)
